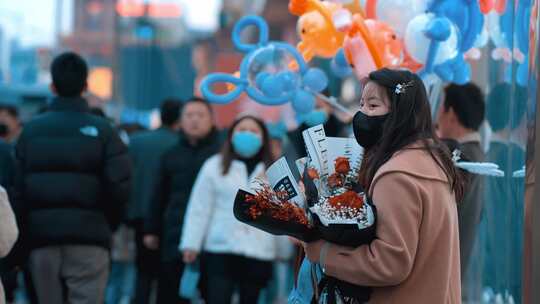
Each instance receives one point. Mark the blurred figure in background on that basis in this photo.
(503, 222)
(71, 188)
(8, 275)
(9, 117)
(179, 167)
(122, 277)
(460, 117)
(7, 160)
(8, 231)
(236, 256)
(146, 149)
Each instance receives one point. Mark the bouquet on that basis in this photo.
(333, 206)
(342, 215)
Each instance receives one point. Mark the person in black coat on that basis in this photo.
(72, 182)
(179, 168)
(460, 117)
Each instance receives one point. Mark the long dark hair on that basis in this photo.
(228, 154)
(409, 121)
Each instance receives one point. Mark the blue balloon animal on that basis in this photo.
(266, 74)
(469, 21)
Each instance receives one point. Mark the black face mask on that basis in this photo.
(368, 129)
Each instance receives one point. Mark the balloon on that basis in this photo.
(465, 15)
(522, 73)
(398, 13)
(315, 79)
(272, 86)
(353, 6)
(486, 6)
(483, 38)
(359, 56)
(409, 63)
(340, 66)
(495, 33)
(371, 9)
(264, 73)
(290, 79)
(315, 27)
(303, 102)
(417, 43)
(386, 42)
(339, 70)
(522, 25)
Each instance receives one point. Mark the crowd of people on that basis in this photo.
(102, 217)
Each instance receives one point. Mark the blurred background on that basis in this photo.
(143, 51)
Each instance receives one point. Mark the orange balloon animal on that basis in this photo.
(316, 28)
(370, 45)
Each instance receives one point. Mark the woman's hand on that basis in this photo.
(151, 241)
(313, 250)
(295, 241)
(189, 256)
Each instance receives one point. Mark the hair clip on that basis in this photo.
(400, 87)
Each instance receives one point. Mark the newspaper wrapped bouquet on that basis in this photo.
(332, 206)
(338, 206)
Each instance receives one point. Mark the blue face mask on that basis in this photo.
(317, 117)
(246, 144)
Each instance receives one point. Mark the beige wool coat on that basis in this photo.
(8, 231)
(415, 256)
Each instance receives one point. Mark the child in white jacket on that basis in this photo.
(237, 256)
(8, 231)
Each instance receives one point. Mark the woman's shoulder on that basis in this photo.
(212, 163)
(416, 162)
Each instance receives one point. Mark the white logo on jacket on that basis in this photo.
(89, 131)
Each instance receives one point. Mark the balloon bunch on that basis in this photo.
(453, 27)
(265, 74)
(433, 37)
(332, 29)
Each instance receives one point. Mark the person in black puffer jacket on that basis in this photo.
(72, 182)
(180, 165)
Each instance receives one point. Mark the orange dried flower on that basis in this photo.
(272, 204)
(349, 199)
(335, 180)
(312, 173)
(342, 165)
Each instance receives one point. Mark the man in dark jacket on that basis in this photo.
(179, 168)
(146, 149)
(460, 117)
(72, 182)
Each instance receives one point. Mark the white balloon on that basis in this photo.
(398, 13)
(417, 44)
(482, 38)
(494, 28)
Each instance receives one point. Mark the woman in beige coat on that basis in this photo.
(8, 231)
(413, 183)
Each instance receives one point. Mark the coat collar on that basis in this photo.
(70, 104)
(208, 140)
(470, 138)
(414, 161)
(257, 172)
